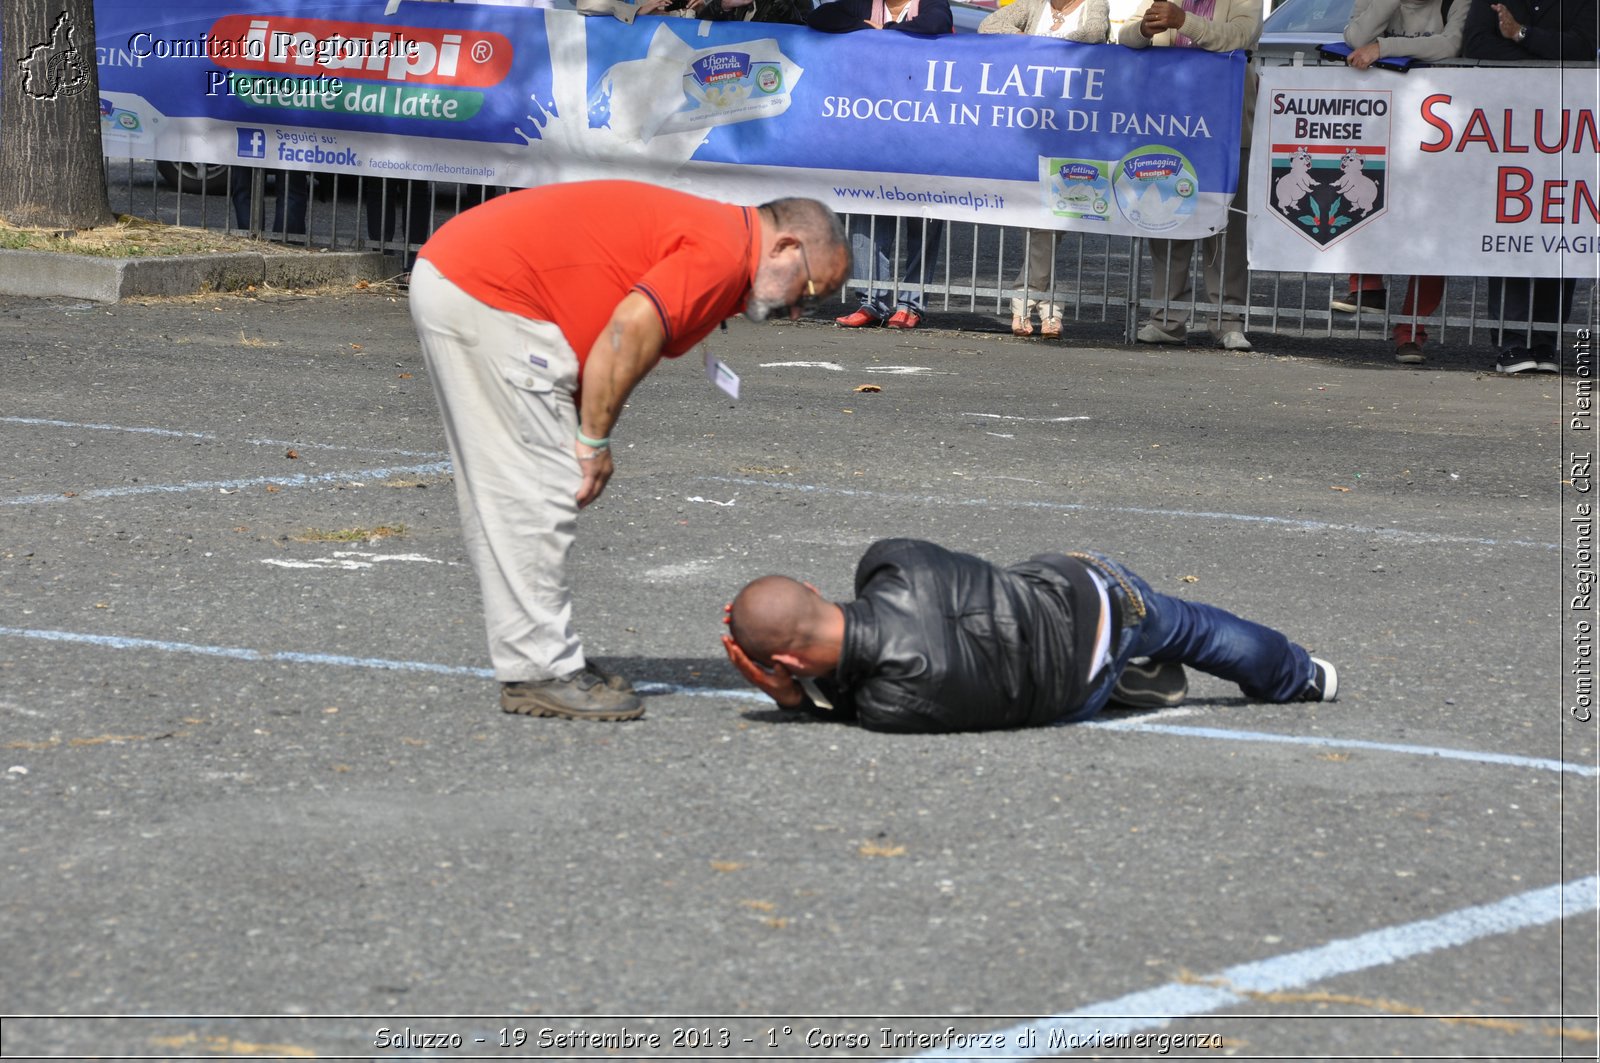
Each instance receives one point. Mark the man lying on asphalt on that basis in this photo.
(942, 641)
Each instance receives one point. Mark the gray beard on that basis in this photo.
(759, 309)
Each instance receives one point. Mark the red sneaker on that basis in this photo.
(904, 319)
(862, 318)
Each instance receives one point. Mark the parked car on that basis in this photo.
(967, 16)
(209, 177)
(1301, 25)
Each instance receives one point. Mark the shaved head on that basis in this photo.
(775, 614)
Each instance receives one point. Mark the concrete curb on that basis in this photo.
(45, 274)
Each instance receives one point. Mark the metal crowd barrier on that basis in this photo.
(978, 269)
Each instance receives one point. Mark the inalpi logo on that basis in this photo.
(466, 58)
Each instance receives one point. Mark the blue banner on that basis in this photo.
(999, 129)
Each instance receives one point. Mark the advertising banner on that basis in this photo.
(1483, 172)
(996, 129)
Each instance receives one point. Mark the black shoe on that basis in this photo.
(1515, 360)
(1324, 685)
(1375, 300)
(1146, 684)
(1544, 358)
(583, 695)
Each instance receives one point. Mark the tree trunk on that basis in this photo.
(52, 169)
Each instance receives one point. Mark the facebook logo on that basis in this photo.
(252, 143)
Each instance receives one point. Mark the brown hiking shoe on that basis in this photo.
(611, 679)
(580, 696)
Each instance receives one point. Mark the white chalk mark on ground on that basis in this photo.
(682, 570)
(211, 437)
(1015, 417)
(350, 560)
(835, 367)
(1393, 534)
(230, 486)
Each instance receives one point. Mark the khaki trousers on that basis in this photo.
(505, 387)
(1224, 266)
(1037, 276)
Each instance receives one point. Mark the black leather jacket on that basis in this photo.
(941, 641)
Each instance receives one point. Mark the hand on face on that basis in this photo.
(777, 684)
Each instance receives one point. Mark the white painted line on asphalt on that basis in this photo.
(240, 653)
(243, 653)
(1096, 1027)
(1116, 722)
(1014, 417)
(1226, 734)
(1139, 724)
(1397, 534)
(45, 422)
(230, 486)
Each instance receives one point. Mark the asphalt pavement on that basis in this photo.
(258, 798)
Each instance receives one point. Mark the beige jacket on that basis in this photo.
(1233, 24)
(1408, 27)
(1020, 17)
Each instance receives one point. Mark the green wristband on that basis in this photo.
(596, 444)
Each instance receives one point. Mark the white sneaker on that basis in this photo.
(1234, 341)
(1154, 333)
(1324, 684)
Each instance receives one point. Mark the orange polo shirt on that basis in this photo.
(568, 254)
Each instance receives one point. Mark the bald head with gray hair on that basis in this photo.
(812, 221)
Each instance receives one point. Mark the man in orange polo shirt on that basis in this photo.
(538, 313)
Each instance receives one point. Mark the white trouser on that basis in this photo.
(505, 385)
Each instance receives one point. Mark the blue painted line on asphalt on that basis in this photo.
(49, 422)
(299, 480)
(244, 653)
(121, 642)
(1091, 1028)
(1507, 759)
(1397, 534)
(240, 653)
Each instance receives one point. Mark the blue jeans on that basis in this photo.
(294, 188)
(1265, 664)
(1518, 300)
(872, 250)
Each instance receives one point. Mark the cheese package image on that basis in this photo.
(729, 83)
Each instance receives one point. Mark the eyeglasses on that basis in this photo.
(811, 285)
